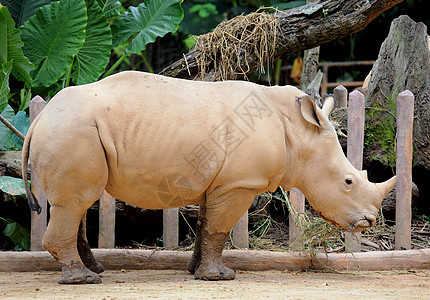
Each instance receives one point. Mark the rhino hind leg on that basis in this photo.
(84, 249)
(219, 217)
(60, 240)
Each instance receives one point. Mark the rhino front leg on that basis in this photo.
(222, 213)
(84, 249)
(60, 240)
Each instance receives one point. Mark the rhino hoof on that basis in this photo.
(193, 265)
(78, 276)
(97, 267)
(213, 273)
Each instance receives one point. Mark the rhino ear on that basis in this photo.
(308, 110)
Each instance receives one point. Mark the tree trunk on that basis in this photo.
(403, 63)
(310, 63)
(298, 29)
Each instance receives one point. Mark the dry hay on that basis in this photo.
(317, 234)
(236, 46)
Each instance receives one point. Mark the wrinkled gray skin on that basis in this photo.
(158, 142)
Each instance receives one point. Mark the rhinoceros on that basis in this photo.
(157, 142)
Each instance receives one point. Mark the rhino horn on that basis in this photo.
(385, 187)
(328, 104)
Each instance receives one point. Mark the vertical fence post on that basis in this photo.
(107, 209)
(341, 96)
(297, 200)
(405, 118)
(240, 232)
(38, 222)
(171, 227)
(355, 143)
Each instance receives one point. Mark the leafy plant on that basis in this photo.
(204, 10)
(144, 23)
(53, 37)
(110, 8)
(22, 10)
(8, 140)
(93, 57)
(18, 234)
(11, 44)
(5, 70)
(12, 186)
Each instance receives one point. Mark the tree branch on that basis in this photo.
(301, 28)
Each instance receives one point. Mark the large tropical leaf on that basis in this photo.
(19, 235)
(5, 70)
(22, 10)
(10, 47)
(6, 142)
(147, 21)
(110, 8)
(53, 37)
(93, 57)
(12, 186)
(22, 123)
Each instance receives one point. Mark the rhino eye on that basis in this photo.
(348, 181)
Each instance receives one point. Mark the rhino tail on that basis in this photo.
(32, 200)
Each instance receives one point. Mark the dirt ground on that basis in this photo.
(248, 285)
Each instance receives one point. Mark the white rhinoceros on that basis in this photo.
(158, 142)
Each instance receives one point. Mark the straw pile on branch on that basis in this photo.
(244, 44)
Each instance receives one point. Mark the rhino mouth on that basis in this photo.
(363, 223)
(356, 226)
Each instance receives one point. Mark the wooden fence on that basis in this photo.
(326, 84)
(356, 115)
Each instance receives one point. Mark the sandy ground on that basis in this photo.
(248, 285)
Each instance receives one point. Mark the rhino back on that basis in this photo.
(167, 141)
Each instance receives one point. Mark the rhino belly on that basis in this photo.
(166, 191)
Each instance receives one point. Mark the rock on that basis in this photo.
(403, 64)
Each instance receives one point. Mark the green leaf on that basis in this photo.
(6, 142)
(110, 8)
(5, 70)
(22, 10)
(12, 186)
(22, 123)
(10, 45)
(10, 228)
(18, 234)
(53, 37)
(93, 57)
(25, 97)
(149, 20)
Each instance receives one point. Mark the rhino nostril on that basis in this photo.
(371, 220)
(366, 222)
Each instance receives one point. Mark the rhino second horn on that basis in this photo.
(385, 187)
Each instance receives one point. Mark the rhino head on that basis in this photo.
(341, 194)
